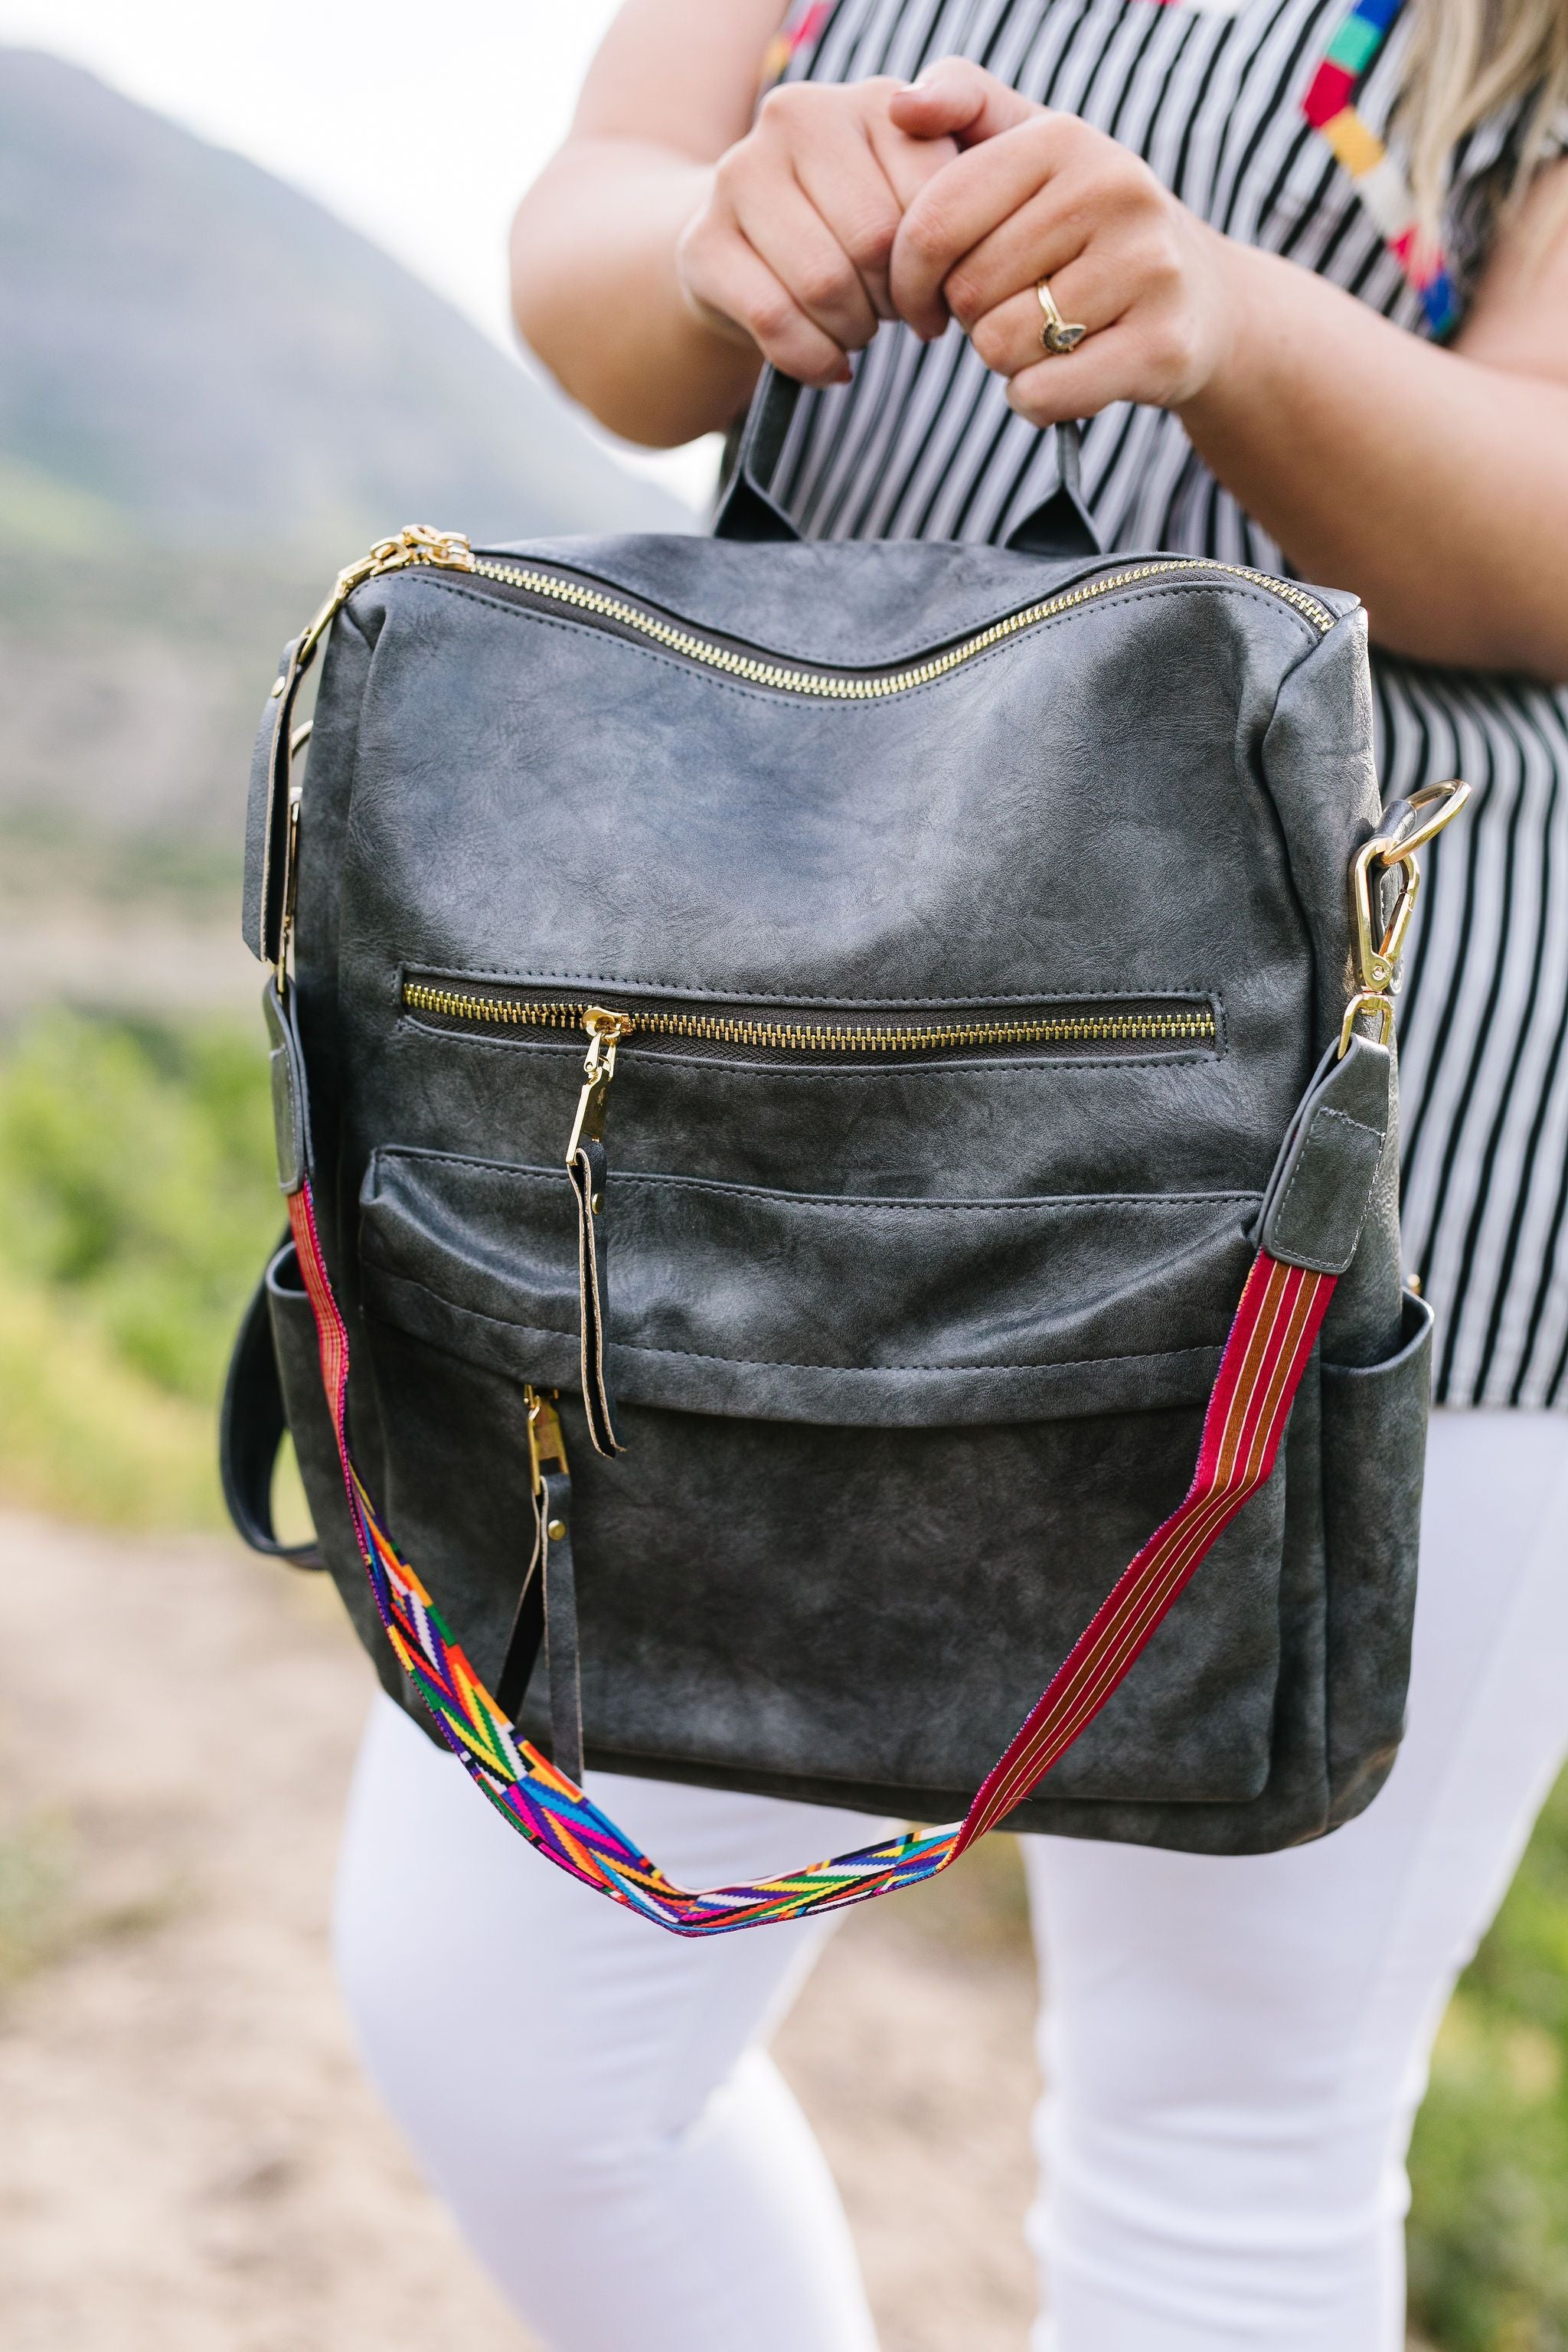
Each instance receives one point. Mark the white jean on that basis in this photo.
(1234, 2050)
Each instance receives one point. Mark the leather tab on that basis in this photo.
(558, 1576)
(290, 1104)
(266, 816)
(588, 1171)
(1322, 1182)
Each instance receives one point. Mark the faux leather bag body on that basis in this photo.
(975, 927)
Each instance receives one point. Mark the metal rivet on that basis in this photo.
(277, 689)
(557, 1531)
(598, 1204)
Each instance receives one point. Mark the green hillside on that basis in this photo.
(190, 349)
(212, 395)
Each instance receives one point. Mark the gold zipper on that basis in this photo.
(606, 1027)
(824, 684)
(419, 546)
(1197, 1027)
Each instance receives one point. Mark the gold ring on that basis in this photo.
(1058, 334)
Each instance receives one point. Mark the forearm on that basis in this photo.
(596, 294)
(1433, 484)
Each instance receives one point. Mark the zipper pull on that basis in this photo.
(417, 542)
(546, 1446)
(586, 1167)
(605, 1032)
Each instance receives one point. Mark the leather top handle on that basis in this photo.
(1060, 526)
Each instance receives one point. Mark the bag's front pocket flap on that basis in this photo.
(782, 1306)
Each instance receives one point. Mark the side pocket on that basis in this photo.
(1374, 1459)
(321, 1472)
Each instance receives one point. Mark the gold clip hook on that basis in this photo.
(1378, 941)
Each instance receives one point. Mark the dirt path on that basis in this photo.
(190, 2162)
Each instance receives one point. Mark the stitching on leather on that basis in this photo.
(1187, 1059)
(777, 1364)
(1324, 1113)
(1278, 1221)
(519, 1172)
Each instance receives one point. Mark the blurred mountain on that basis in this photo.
(212, 395)
(190, 346)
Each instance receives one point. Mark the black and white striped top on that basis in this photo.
(922, 443)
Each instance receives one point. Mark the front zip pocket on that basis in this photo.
(742, 1035)
(854, 1035)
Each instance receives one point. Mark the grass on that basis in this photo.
(1489, 2232)
(135, 1161)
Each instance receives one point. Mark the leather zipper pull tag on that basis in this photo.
(524, 1642)
(588, 1169)
(561, 1647)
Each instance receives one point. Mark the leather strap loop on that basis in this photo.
(1060, 526)
(252, 1422)
(746, 508)
(1322, 1187)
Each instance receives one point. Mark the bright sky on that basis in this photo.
(420, 125)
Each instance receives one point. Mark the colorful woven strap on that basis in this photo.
(1272, 1336)
(1330, 106)
(804, 24)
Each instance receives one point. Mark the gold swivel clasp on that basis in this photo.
(1379, 928)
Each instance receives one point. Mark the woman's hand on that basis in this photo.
(790, 250)
(1040, 194)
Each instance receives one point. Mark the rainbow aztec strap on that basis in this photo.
(1276, 1323)
(1330, 106)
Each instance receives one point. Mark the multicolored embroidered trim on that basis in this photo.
(1276, 1326)
(783, 47)
(1381, 186)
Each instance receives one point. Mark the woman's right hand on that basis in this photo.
(789, 251)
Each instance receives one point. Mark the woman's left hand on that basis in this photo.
(1036, 195)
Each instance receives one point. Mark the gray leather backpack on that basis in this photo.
(840, 1101)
